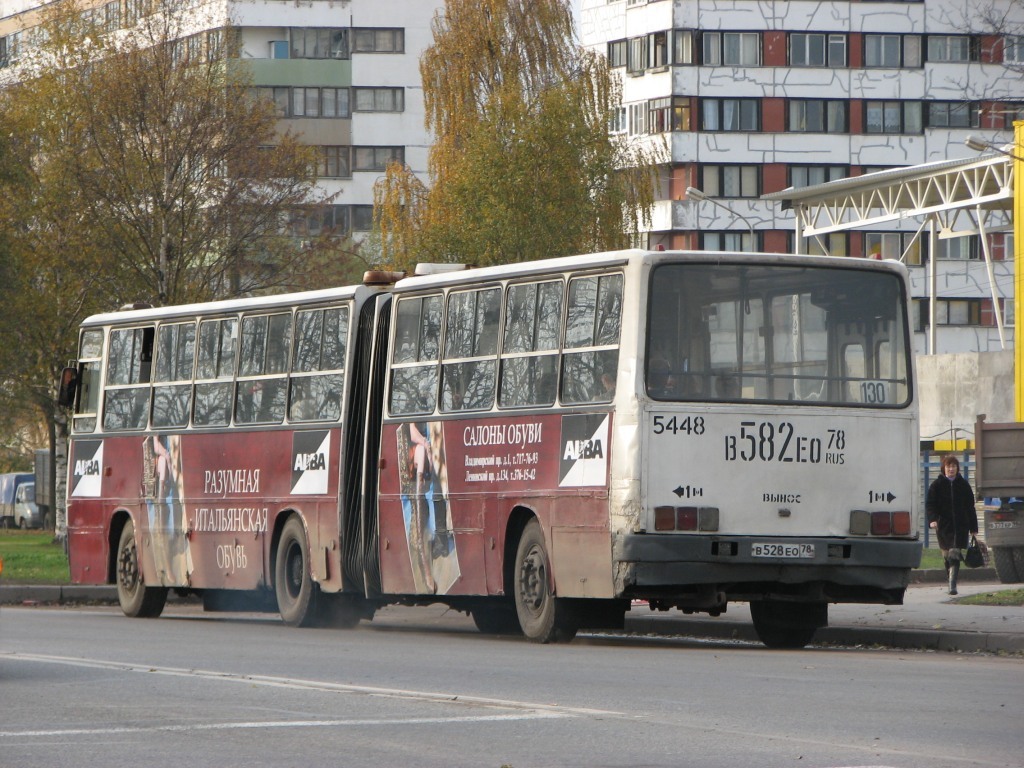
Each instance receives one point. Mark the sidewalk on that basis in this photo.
(928, 619)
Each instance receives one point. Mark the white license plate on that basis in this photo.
(772, 549)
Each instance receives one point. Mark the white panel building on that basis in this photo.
(343, 73)
(750, 97)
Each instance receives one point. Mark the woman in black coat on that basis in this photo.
(949, 505)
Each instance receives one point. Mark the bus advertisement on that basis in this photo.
(542, 445)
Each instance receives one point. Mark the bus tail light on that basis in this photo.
(863, 523)
(669, 518)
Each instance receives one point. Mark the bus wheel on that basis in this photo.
(1006, 568)
(135, 597)
(497, 617)
(293, 582)
(787, 625)
(543, 617)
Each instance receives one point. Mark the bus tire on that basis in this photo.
(136, 599)
(782, 624)
(496, 617)
(293, 579)
(1004, 560)
(543, 617)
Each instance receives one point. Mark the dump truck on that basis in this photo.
(999, 480)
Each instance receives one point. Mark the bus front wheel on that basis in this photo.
(135, 597)
(544, 617)
(782, 624)
(293, 579)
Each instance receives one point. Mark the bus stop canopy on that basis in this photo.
(967, 196)
(956, 197)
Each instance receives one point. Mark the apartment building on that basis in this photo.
(344, 74)
(749, 97)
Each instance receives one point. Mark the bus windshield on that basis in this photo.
(761, 333)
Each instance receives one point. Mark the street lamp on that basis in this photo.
(696, 194)
(980, 145)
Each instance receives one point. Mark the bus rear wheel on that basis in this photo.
(1005, 561)
(782, 624)
(135, 597)
(293, 579)
(543, 617)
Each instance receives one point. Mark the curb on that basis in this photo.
(910, 639)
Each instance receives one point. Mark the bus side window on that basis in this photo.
(470, 347)
(591, 337)
(175, 359)
(215, 367)
(415, 355)
(533, 319)
(318, 366)
(126, 400)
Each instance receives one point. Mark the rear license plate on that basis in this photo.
(772, 549)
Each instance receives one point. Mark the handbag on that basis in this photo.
(974, 557)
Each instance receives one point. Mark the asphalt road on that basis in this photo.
(88, 687)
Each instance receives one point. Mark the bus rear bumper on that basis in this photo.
(836, 569)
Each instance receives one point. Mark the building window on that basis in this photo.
(379, 40)
(636, 61)
(953, 114)
(682, 46)
(730, 115)
(377, 158)
(307, 102)
(731, 180)
(892, 117)
(318, 43)
(335, 162)
(731, 49)
(832, 244)
(900, 246)
(892, 50)
(1013, 48)
(320, 220)
(817, 116)
(668, 114)
(728, 241)
(817, 50)
(617, 53)
(963, 248)
(659, 49)
(951, 48)
(638, 119)
(809, 175)
(362, 218)
(619, 121)
(379, 100)
(958, 312)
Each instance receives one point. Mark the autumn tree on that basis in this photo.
(523, 165)
(145, 170)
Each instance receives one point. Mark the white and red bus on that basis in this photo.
(538, 444)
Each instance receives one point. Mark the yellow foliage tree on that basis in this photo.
(523, 165)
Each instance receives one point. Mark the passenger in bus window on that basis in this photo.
(949, 504)
(661, 382)
(727, 386)
(606, 393)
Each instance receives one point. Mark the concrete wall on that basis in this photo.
(954, 389)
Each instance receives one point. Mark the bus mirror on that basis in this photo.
(68, 386)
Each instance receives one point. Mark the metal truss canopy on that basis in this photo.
(944, 191)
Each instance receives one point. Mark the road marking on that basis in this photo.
(280, 724)
(537, 709)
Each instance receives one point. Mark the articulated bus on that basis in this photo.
(543, 445)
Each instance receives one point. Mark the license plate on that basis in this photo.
(772, 549)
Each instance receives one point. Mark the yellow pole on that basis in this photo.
(1018, 269)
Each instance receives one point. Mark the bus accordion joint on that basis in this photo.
(381, 277)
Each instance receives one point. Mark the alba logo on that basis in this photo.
(584, 461)
(87, 469)
(91, 467)
(304, 461)
(311, 460)
(583, 449)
